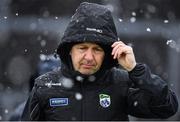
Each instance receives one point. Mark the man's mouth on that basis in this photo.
(87, 66)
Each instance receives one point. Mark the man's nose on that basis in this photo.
(89, 55)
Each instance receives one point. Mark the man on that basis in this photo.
(90, 85)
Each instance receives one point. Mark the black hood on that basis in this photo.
(90, 23)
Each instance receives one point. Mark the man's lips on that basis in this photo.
(87, 66)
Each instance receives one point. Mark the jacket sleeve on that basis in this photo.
(32, 109)
(150, 98)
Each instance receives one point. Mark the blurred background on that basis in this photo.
(30, 29)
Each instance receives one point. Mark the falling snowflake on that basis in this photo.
(77, 20)
(43, 43)
(132, 19)
(166, 21)
(67, 83)
(78, 96)
(120, 20)
(133, 13)
(6, 111)
(148, 29)
(25, 50)
(171, 43)
(79, 78)
(135, 103)
(92, 78)
(42, 57)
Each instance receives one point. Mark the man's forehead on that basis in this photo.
(88, 44)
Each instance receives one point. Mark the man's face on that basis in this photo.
(87, 57)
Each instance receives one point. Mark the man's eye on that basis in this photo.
(99, 49)
(82, 48)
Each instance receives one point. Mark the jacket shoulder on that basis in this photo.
(119, 73)
(48, 78)
(120, 76)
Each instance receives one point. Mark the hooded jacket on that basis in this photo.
(109, 94)
(90, 23)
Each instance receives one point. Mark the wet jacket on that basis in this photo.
(57, 96)
(109, 94)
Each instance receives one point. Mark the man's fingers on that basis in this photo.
(118, 52)
(121, 49)
(116, 43)
(116, 48)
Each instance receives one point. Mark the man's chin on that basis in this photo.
(84, 72)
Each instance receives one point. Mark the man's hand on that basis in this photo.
(124, 54)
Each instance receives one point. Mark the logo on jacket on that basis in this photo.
(58, 101)
(104, 100)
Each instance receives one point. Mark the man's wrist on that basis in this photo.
(133, 66)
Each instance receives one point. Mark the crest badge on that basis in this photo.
(104, 100)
